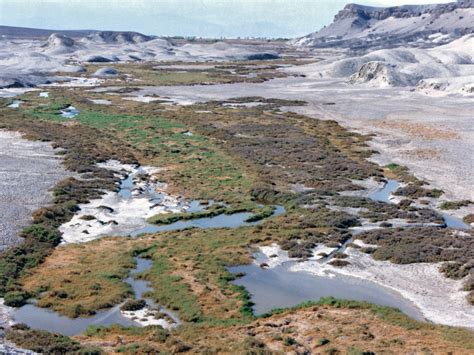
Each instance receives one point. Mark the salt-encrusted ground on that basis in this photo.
(116, 213)
(148, 316)
(28, 170)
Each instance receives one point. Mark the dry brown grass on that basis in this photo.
(314, 329)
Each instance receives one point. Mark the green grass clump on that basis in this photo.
(170, 292)
(454, 205)
(48, 343)
(259, 213)
(289, 341)
(170, 218)
(15, 298)
(323, 341)
(262, 213)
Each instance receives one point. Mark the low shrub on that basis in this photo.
(323, 341)
(41, 341)
(454, 205)
(289, 341)
(15, 298)
(133, 305)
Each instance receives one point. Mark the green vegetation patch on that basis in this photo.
(455, 205)
(41, 341)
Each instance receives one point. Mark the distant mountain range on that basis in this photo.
(359, 27)
(106, 36)
(24, 32)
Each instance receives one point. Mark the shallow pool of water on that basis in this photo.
(383, 194)
(454, 222)
(15, 104)
(280, 288)
(126, 187)
(221, 221)
(70, 112)
(41, 318)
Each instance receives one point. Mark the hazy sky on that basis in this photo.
(205, 18)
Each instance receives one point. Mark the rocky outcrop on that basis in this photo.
(406, 11)
(359, 27)
(59, 44)
(375, 72)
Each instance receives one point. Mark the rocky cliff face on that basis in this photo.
(382, 13)
(358, 26)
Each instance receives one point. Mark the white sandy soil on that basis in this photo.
(121, 215)
(147, 316)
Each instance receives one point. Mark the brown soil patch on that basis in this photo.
(418, 130)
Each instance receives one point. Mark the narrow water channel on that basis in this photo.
(383, 195)
(234, 220)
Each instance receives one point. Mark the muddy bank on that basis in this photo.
(28, 170)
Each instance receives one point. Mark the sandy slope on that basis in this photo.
(445, 69)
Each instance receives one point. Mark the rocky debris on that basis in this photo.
(405, 11)
(22, 81)
(444, 69)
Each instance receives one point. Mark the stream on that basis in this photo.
(383, 195)
(133, 186)
(270, 288)
(234, 220)
(139, 197)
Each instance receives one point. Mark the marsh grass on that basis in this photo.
(84, 279)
